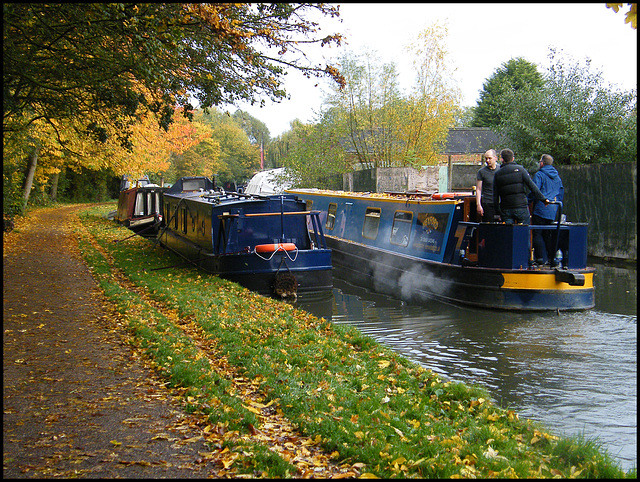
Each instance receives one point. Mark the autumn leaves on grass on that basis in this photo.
(313, 398)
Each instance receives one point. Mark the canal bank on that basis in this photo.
(574, 372)
(239, 361)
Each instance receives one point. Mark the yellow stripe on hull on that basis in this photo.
(542, 281)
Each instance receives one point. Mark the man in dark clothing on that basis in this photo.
(548, 181)
(484, 187)
(509, 198)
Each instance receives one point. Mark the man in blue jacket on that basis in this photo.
(548, 181)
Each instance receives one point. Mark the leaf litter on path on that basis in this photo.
(80, 401)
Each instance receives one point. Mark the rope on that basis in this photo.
(273, 254)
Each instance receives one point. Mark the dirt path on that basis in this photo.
(77, 400)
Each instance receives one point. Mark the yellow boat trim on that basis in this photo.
(542, 281)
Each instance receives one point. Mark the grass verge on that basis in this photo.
(362, 405)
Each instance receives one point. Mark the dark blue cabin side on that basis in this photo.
(410, 230)
(250, 239)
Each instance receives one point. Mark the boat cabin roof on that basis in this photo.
(418, 196)
(191, 184)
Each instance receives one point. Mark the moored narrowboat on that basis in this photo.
(419, 247)
(260, 242)
(140, 210)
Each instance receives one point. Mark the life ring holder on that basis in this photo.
(274, 248)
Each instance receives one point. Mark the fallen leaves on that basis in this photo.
(490, 453)
(237, 416)
(273, 429)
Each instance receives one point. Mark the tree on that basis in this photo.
(364, 107)
(70, 60)
(574, 116)
(256, 130)
(464, 116)
(387, 127)
(434, 102)
(105, 67)
(513, 75)
(50, 148)
(235, 158)
(200, 160)
(632, 15)
(153, 148)
(313, 153)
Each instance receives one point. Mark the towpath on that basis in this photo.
(77, 400)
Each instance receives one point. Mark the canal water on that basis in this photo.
(574, 372)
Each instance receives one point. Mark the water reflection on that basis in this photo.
(575, 372)
(616, 289)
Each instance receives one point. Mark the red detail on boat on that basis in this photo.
(270, 248)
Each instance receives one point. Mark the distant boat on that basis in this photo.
(260, 242)
(127, 182)
(420, 247)
(140, 208)
(266, 183)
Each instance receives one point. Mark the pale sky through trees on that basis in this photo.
(481, 38)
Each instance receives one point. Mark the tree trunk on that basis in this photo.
(28, 181)
(54, 186)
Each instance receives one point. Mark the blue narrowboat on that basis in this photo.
(260, 242)
(420, 247)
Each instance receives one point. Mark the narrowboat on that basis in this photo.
(420, 246)
(261, 242)
(140, 209)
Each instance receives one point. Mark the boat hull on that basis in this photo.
(139, 209)
(312, 269)
(261, 242)
(419, 281)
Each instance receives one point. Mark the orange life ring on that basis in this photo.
(449, 195)
(443, 195)
(270, 248)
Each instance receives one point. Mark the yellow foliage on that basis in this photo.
(632, 14)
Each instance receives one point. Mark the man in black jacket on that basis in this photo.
(509, 197)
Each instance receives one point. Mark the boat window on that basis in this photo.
(139, 208)
(371, 223)
(401, 229)
(175, 219)
(151, 203)
(331, 216)
(192, 184)
(309, 205)
(167, 213)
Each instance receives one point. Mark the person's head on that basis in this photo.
(546, 160)
(506, 155)
(491, 158)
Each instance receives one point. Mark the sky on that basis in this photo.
(481, 37)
